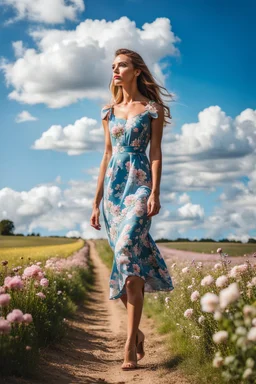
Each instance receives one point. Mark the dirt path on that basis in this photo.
(92, 351)
(172, 255)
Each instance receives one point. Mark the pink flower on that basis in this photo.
(28, 348)
(33, 271)
(207, 280)
(5, 299)
(14, 282)
(41, 295)
(5, 326)
(195, 296)
(2, 290)
(27, 318)
(136, 268)
(219, 250)
(188, 313)
(16, 316)
(44, 282)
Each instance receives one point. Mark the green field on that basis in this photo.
(232, 249)
(32, 241)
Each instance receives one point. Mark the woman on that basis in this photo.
(129, 185)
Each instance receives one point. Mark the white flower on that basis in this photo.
(195, 296)
(254, 322)
(249, 362)
(221, 281)
(241, 331)
(173, 265)
(219, 250)
(185, 270)
(167, 299)
(249, 310)
(201, 319)
(229, 359)
(253, 280)
(190, 286)
(217, 266)
(217, 315)
(229, 295)
(247, 373)
(207, 280)
(188, 313)
(217, 361)
(209, 302)
(238, 270)
(251, 335)
(220, 337)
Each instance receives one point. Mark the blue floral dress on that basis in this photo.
(127, 186)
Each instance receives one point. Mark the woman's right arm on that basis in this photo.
(100, 183)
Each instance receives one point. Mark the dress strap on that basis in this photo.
(106, 111)
(151, 108)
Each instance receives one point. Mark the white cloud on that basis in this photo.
(83, 136)
(191, 211)
(25, 116)
(45, 11)
(184, 198)
(69, 65)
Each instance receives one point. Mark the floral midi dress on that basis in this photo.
(126, 189)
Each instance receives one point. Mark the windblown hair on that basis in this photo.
(146, 84)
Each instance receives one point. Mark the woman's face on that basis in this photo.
(123, 70)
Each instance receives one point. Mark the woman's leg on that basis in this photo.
(134, 304)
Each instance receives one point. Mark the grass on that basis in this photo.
(232, 249)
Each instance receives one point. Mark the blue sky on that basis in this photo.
(208, 194)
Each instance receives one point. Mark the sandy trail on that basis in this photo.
(92, 351)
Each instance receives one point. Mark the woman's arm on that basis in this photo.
(155, 156)
(103, 166)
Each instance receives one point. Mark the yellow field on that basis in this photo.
(41, 252)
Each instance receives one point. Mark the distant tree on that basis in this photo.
(6, 227)
(251, 240)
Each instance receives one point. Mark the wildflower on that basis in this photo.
(217, 361)
(250, 362)
(201, 319)
(5, 299)
(167, 299)
(247, 373)
(14, 282)
(220, 337)
(229, 360)
(249, 310)
(41, 295)
(16, 316)
(28, 348)
(229, 295)
(188, 313)
(44, 282)
(185, 270)
(27, 318)
(217, 266)
(238, 270)
(4, 263)
(217, 315)
(5, 327)
(221, 281)
(251, 335)
(207, 280)
(219, 250)
(195, 296)
(209, 302)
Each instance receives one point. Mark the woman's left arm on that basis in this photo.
(155, 156)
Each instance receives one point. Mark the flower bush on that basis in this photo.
(211, 316)
(35, 301)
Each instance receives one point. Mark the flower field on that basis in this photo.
(37, 294)
(209, 318)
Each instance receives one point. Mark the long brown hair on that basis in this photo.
(146, 84)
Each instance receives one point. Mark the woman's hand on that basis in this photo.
(94, 221)
(153, 205)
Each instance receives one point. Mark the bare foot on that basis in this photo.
(130, 357)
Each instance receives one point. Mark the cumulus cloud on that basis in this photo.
(214, 151)
(44, 11)
(25, 116)
(69, 65)
(84, 135)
